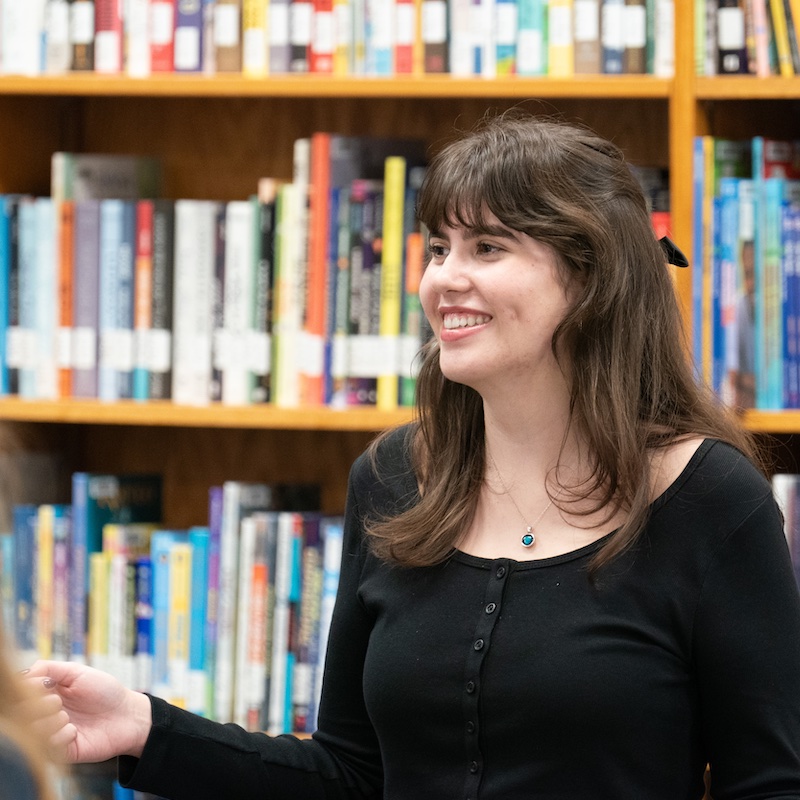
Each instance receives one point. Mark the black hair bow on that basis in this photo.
(673, 253)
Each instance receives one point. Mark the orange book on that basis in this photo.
(142, 297)
(320, 51)
(314, 324)
(66, 257)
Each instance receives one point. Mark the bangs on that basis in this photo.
(458, 192)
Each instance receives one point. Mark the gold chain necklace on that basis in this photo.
(528, 538)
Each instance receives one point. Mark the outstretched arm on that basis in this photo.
(88, 715)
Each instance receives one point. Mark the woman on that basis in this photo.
(567, 579)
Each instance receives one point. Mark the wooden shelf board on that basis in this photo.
(772, 421)
(602, 87)
(747, 87)
(95, 412)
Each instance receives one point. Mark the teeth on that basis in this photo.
(452, 321)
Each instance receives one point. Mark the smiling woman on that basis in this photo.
(566, 577)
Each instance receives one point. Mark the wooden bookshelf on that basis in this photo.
(216, 136)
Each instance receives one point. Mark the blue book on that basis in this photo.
(215, 508)
(728, 268)
(27, 295)
(189, 35)
(612, 35)
(160, 545)
(7, 581)
(24, 523)
(506, 39)
(7, 206)
(143, 653)
(197, 695)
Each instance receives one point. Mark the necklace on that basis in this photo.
(528, 538)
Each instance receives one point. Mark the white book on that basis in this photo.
(664, 42)
(461, 39)
(46, 368)
(192, 311)
(22, 27)
(231, 351)
(239, 500)
(137, 35)
(57, 45)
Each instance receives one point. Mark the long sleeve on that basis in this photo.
(747, 649)
(190, 758)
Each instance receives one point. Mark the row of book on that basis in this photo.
(746, 281)
(228, 618)
(304, 294)
(344, 37)
(747, 37)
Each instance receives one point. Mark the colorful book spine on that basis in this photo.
(179, 620)
(255, 49)
(65, 296)
(197, 682)
(108, 37)
(98, 611)
(142, 298)
(143, 675)
(189, 40)
(25, 518)
(158, 349)
(86, 283)
(215, 512)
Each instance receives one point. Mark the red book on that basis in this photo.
(107, 37)
(320, 52)
(405, 36)
(162, 35)
(142, 298)
(311, 379)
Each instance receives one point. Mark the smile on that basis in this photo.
(453, 321)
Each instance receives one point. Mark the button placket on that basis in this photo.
(479, 650)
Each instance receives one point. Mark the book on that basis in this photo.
(162, 35)
(21, 38)
(634, 58)
(45, 365)
(215, 510)
(780, 33)
(142, 298)
(86, 309)
(307, 637)
(158, 348)
(97, 609)
(321, 44)
(588, 50)
(24, 522)
(137, 38)
(189, 41)
(81, 35)
(280, 49)
(232, 342)
(415, 329)
(260, 347)
(115, 299)
(406, 39)
(197, 693)
(88, 176)
(28, 290)
(433, 32)
(57, 47)
(612, 36)
(98, 499)
(179, 620)
(192, 301)
(8, 285)
(731, 45)
(65, 296)
(228, 35)
(108, 37)
(255, 43)
(143, 616)
(560, 39)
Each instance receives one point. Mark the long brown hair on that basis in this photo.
(622, 344)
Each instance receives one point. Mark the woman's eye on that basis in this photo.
(437, 251)
(487, 248)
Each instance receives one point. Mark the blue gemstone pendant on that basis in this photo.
(528, 539)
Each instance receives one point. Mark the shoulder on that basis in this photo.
(383, 477)
(719, 482)
(18, 782)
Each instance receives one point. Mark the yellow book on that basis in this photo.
(99, 573)
(44, 581)
(343, 37)
(391, 291)
(180, 583)
(561, 39)
(255, 47)
(780, 31)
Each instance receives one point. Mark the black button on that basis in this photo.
(490, 609)
(501, 571)
(478, 644)
(470, 727)
(473, 767)
(470, 687)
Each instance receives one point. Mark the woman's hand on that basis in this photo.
(85, 714)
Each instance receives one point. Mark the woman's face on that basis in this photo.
(494, 297)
